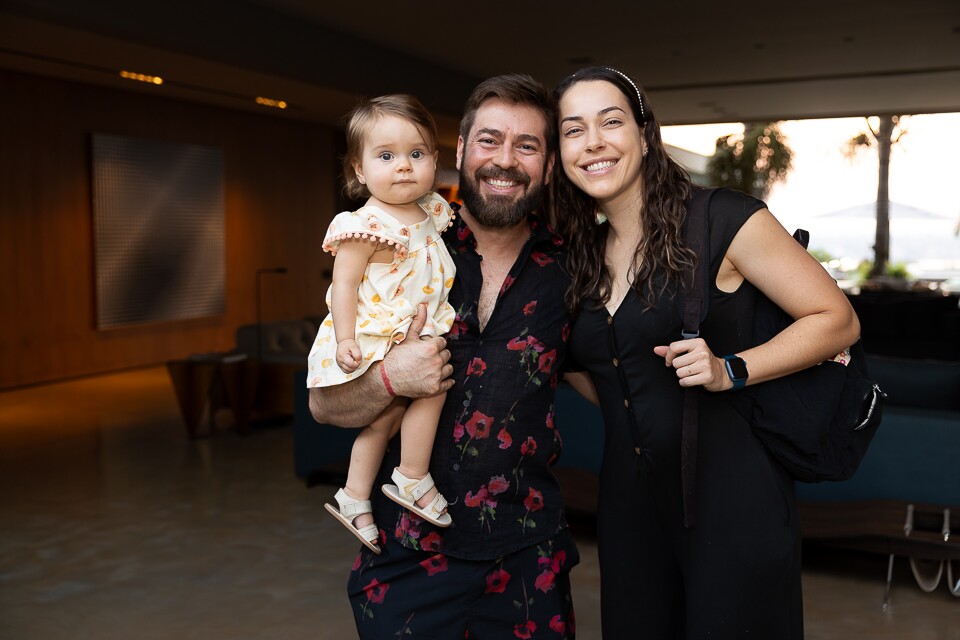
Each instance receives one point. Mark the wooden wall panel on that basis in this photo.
(280, 178)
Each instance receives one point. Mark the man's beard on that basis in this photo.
(500, 212)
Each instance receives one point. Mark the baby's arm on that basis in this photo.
(348, 267)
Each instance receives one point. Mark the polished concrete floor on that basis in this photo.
(113, 525)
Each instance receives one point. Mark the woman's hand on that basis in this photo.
(695, 364)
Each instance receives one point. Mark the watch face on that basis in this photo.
(738, 367)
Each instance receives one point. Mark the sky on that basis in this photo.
(924, 173)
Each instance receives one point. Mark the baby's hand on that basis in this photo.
(348, 355)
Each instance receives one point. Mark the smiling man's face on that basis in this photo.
(503, 163)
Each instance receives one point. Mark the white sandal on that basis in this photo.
(408, 490)
(347, 513)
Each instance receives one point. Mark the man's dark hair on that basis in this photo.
(516, 89)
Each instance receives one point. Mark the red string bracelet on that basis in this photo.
(386, 381)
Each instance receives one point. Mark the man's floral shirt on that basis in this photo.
(496, 439)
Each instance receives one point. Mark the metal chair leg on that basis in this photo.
(885, 605)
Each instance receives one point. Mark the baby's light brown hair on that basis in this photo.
(362, 119)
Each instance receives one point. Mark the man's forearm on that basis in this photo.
(416, 368)
(351, 404)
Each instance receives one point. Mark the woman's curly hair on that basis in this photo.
(660, 259)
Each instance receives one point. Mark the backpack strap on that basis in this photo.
(694, 300)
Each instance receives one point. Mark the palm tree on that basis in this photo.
(751, 162)
(888, 133)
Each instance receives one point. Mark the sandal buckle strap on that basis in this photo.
(415, 488)
(438, 505)
(351, 508)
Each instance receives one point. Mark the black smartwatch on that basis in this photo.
(737, 370)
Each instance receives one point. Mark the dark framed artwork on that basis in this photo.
(158, 231)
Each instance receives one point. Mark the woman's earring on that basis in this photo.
(599, 216)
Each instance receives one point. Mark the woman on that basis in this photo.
(736, 572)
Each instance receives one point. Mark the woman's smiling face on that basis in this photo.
(601, 145)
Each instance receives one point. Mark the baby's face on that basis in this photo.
(397, 164)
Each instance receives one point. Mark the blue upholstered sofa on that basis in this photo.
(914, 457)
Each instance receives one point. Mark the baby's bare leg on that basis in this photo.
(367, 455)
(417, 432)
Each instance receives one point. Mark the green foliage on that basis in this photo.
(898, 270)
(893, 270)
(752, 162)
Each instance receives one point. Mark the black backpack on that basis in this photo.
(818, 422)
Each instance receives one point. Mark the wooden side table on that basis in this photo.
(212, 382)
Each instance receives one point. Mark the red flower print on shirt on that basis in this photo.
(408, 528)
(553, 563)
(529, 308)
(551, 567)
(547, 359)
(476, 367)
(478, 426)
(435, 564)
(529, 447)
(484, 500)
(505, 439)
(540, 258)
(557, 625)
(517, 344)
(544, 581)
(376, 591)
(497, 485)
(497, 581)
(459, 328)
(431, 542)
(474, 500)
(525, 630)
(534, 500)
(532, 357)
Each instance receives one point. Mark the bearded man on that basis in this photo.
(502, 569)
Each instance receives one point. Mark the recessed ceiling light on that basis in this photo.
(270, 102)
(141, 77)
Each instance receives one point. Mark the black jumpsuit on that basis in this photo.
(736, 572)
